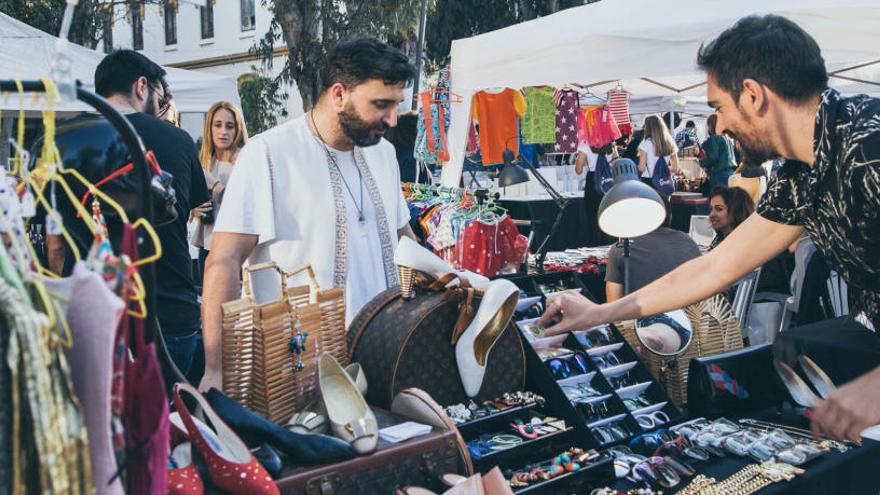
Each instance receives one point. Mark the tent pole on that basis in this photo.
(419, 47)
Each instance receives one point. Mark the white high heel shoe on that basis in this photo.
(410, 257)
(493, 316)
(351, 419)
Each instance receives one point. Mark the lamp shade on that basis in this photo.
(511, 174)
(630, 208)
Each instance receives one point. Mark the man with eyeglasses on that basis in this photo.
(136, 87)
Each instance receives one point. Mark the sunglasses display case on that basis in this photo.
(595, 379)
(504, 439)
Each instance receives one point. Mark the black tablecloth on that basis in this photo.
(852, 473)
(572, 230)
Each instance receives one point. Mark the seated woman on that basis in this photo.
(728, 207)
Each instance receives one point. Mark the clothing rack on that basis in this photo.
(142, 171)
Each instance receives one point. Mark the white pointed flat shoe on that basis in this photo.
(313, 418)
(492, 317)
(410, 257)
(351, 419)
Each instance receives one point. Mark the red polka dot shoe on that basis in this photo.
(183, 477)
(230, 464)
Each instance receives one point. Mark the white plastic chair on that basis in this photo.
(745, 293)
(839, 293)
(802, 255)
(701, 230)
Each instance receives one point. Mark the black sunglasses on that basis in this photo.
(567, 366)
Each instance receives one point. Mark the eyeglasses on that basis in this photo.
(611, 432)
(651, 420)
(580, 392)
(594, 411)
(597, 337)
(565, 367)
(533, 311)
(637, 403)
(620, 381)
(606, 360)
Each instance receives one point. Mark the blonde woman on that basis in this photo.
(224, 136)
(657, 143)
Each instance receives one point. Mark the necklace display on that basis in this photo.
(748, 480)
(331, 158)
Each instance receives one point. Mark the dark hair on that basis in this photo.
(119, 70)
(690, 124)
(360, 59)
(770, 49)
(738, 201)
(711, 122)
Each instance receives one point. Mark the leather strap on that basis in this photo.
(440, 284)
(465, 298)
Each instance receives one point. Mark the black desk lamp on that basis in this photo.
(629, 209)
(512, 174)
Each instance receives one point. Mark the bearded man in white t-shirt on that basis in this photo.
(320, 190)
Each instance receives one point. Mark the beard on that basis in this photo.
(756, 148)
(359, 130)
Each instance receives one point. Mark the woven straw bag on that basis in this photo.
(260, 369)
(715, 331)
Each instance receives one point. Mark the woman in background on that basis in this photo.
(224, 136)
(657, 143)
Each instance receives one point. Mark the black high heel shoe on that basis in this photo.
(255, 431)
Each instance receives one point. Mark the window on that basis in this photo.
(137, 27)
(207, 19)
(107, 30)
(170, 23)
(248, 15)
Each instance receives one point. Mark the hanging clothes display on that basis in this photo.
(566, 121)
(618, 103)
(539, 121)
(496, 114)
(433, 122)
(596, 126)
(477, 237)
(57, 338)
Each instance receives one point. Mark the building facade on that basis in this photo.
(216, 38)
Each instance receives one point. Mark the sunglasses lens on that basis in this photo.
(559, 368)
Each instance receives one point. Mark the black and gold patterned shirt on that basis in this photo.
(837, 200)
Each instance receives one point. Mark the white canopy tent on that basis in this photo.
(645, 43)
(27, 53)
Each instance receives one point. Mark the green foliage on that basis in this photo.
(86, 28)
(262, 102)
(308, 28)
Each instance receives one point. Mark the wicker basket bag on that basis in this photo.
(715, 331)
(270, 350)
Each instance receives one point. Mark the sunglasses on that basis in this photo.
(594, 411)
(533, 311)
(564, 367)
(637, 403)
(606, 360)
(611, 432)
(652, 420)
(597, 337)
(621, 381)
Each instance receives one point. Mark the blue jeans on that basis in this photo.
(187, 352)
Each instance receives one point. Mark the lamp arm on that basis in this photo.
(560, 200)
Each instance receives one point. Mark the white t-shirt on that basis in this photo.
(591, 157)
(295, 220)
(647, 146)
(365, 275)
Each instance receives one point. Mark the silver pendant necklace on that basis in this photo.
(331, 158)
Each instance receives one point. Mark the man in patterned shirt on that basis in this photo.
(768, 85)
